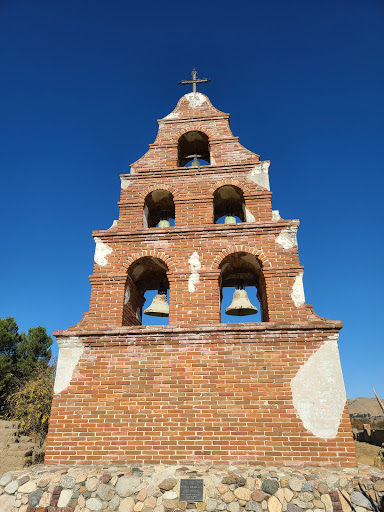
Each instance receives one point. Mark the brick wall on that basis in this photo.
(196, 390)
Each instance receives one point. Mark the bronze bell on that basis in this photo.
(230, 219)
(159, 306)
(164, 220)
(241, 305)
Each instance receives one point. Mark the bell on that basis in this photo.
(241, 305)
(195, 163)
(164, 223)
(230, 219)
(159, 306)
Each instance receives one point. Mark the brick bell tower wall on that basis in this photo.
(198, 390)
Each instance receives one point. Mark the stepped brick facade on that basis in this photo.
(198, 390)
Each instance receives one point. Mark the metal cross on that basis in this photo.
(195, 81)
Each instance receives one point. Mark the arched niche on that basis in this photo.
(158, 205)
(243, 270)
(145, 278)
(228, 200)
(193, 144)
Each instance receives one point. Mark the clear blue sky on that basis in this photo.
(83, 83)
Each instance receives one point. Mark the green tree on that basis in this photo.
(31, 403)
(21, 356)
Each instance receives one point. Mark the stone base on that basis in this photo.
(155, 488)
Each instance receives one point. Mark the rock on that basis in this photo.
(170, 495)
(93, 504)
(302, 504)
(81, 478)
(295, 483)
(326, 499)
(35, 497)
(5, 480)
(105, 492)
(28, 487)
(223, 488)
(228, 497)
(379, 485)
(293, 508)
(23, 479)
(250, 483)
(308, 486)
(274, 504)
(45, 500)
(11, 487)
(92, 483)
(258, 496)
(67, 482)
(357, 498)
(233, 507)
(344, 500)
(138, 506)
(253, 506)
(114, 503)
(211, 505)
(43, 482)
(6, 502)
(151, 501)
(343, 482)
(142, 494)
(318, 504)
(270, 485)
(323, 488)
(288, 494)
(105, 478)
(171, 504)
(333, 482)
(230, 479)
(306, 496)
(65, 497)
(127, 485)
(159, 508)
(242, 493)
(168, 484)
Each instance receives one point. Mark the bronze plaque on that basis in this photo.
(191, 489)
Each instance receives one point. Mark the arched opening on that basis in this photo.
(228, 205)
(146, 293)
(242, 289)
(193, 149)
(159, 209)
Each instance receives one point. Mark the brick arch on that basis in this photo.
(236, 183)
(161, 186)
(195, 128)
(240, 248)
(150, 253)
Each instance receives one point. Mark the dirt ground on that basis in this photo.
(366, 452)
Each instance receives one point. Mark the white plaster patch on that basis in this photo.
(195, 99)
(145, 216)
(125, 183)
(133, 170)
(70, 351)
(288, 237)
(127, 295)
(172, 115)
(101, 252)
(297, 294)
(275, 215)
(260, 174)
(248, 216)
(195, 266)
(114, 224)
(213, 161)
(161, 125)
(318, 391)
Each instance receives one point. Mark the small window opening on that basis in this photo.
(147, 293)
(193, 150)
(242, 289)
(228, 205)
(159, 209)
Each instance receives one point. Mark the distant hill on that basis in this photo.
(364, 405)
